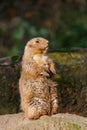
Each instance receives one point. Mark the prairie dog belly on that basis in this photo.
(41, 60)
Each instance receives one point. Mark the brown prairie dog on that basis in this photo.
(38, 93)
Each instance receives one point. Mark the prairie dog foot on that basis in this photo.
(37, 109)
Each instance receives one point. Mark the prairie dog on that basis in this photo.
(37, 91)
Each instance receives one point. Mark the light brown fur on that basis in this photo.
(38, 92)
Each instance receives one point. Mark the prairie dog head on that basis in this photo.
(37, 45)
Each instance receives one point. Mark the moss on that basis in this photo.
(73, 126)
(67, 58)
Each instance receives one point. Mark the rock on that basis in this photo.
(71, 80)
(55, 122)
(9, 94)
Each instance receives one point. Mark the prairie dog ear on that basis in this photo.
(29, 44)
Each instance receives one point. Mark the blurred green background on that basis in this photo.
(62, 22)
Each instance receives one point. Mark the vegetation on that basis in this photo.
(62, 22)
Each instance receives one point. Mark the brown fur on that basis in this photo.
(38, 92)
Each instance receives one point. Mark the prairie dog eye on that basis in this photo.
(37, 41)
